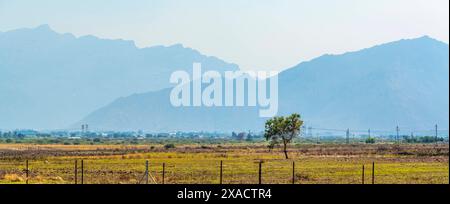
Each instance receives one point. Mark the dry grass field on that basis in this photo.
(196, 164)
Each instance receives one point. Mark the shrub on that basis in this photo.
(370, 140)
(169, 146)
(205, 147)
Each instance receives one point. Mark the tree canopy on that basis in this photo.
(283, 130)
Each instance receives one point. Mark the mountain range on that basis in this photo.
(50, 80)
(403, 83)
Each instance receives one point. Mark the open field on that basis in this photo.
(192, 164)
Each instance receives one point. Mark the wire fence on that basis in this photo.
(221, 172)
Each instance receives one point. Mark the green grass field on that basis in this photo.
(194, 164)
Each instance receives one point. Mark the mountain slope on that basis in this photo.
(404, 82)
(49, 80)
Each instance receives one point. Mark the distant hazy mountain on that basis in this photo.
(51, 80)
(402, 83)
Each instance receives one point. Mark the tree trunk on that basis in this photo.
(285, 150)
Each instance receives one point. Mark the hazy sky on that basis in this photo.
(256, 34)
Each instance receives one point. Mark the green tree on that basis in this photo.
(282, 130)
(370, 140)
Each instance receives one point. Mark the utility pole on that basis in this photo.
(84, 129)
(398, 129)
(348, 136)
(436, 133)
(303, 131)
(310, 134)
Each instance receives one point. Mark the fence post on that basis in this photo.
(76, 171)
(163, 173)
(373, 173)
(146, 172)
(363, 174)
(26, 171)
(221, 171)
(293, 172)
(260, 172)
(82, 171)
